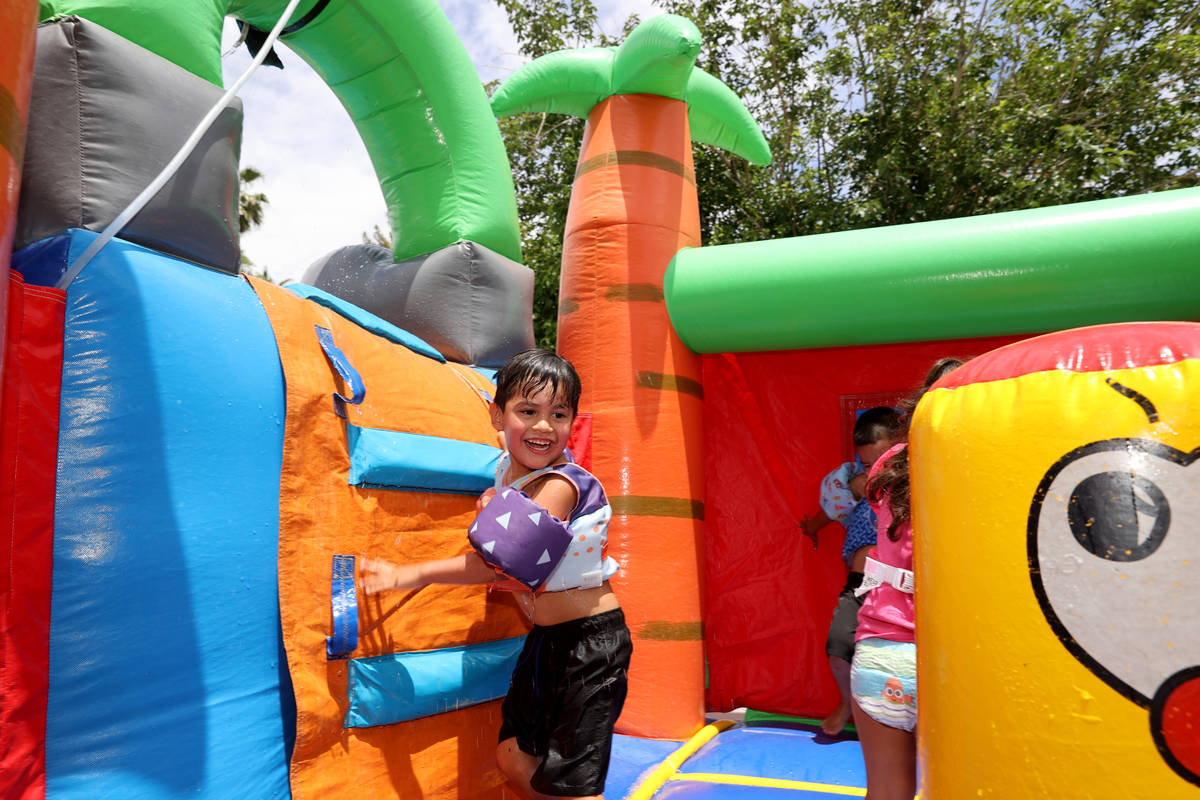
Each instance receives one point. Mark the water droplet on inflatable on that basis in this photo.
(1070, 564)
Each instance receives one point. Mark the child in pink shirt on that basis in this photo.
(887, 611)
(883, 675)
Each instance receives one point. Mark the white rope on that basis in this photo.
(168, 172)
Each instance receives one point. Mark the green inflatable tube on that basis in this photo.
(186, 32)
(403, 75)
(1126, 259)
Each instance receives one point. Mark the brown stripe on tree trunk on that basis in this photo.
(670, 383)
(636, 158)
(633, 505)
(12, 128)
(633, 293)
(672, 631)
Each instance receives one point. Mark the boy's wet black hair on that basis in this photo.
(530, 370)
(876, 423)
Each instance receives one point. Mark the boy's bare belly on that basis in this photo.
(858, 561)
(551, 608)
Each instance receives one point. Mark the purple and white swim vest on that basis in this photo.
(519, 538)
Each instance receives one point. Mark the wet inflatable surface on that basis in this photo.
(757, 761)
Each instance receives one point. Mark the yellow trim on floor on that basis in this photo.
(774, 783)
(664, 771)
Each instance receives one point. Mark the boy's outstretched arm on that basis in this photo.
(810, 525)
(378, 575)
(553, 492)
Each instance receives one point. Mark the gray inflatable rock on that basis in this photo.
(471, 303)
(105, 116)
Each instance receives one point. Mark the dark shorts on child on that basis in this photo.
(566, 693)
(839, 643)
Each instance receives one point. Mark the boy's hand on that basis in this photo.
(377, 575)
(858, 485)
(809, 526)
(484, 499)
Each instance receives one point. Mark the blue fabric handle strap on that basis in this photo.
(349, 374)
(401, 460)
(344, 604)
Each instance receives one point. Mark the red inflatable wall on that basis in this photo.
(28, 460)
(775, 424)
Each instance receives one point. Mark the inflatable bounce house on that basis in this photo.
(193, 460)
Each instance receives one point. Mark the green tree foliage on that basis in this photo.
(881, 112)
(250, 204)
(543, 148)
(378, 236)
(542, 151)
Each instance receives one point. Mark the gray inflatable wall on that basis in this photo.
(469, 302)
(105, 117)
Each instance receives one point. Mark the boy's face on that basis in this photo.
(868, 454)
(535, 427)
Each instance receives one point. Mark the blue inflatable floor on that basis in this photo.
(772, 761)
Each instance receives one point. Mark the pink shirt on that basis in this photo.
(887, 612)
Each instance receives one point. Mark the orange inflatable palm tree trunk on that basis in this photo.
(633, 206)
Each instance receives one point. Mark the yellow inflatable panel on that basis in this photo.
(1056, 504)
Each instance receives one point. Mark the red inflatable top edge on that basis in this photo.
(1098, 348)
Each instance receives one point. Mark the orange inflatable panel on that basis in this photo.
(18, 24)
(447, 755)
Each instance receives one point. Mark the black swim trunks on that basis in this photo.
(565, 696)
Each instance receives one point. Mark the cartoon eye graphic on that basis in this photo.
(1114, 544)
(1120, 516)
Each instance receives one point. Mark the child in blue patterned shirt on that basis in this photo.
(842, 491)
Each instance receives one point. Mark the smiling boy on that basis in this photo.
(570, 681)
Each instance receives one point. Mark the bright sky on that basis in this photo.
(321, 189)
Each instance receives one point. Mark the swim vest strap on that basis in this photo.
(876, 573)
(528, 478)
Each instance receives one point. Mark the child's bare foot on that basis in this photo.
(833, 724)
